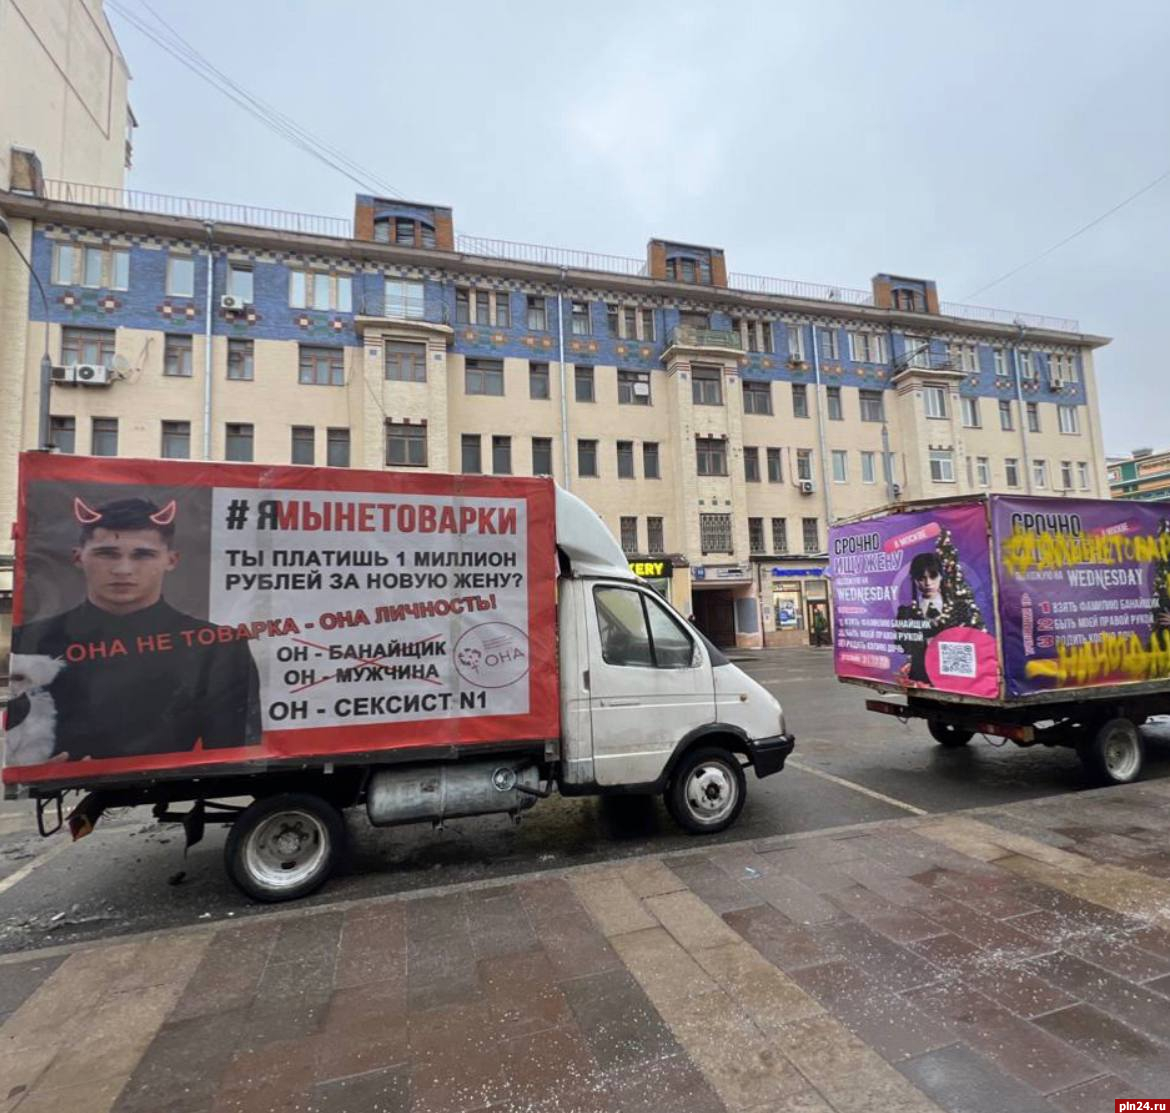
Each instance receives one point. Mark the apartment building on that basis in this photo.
(1144, 474)
(718, 422)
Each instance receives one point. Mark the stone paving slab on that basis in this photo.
(1003, 959)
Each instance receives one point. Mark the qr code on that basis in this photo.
(956, 659)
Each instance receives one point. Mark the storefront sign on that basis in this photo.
(650, 569)
(784, 573)
(719, 572)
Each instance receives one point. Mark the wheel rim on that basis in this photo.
(1121, 756)
(711, 792)
(286, 849)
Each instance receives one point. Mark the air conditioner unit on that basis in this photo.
(91, 374)
(1055, 384)
(806, 487)
(64, 374)
(897, 489)
(231, 302)
(642, 390)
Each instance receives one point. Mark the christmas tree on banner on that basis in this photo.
(960, 608)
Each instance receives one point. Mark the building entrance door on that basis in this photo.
(819, 630)
(715, 616)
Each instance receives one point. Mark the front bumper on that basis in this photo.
(769, 754)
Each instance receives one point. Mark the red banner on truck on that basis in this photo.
(172, 615)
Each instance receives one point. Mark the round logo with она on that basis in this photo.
(492, 655)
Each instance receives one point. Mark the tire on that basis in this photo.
(707, 792)
(284, 847)
(1115, 754)
(948, 735)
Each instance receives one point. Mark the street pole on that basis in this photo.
(46, 360)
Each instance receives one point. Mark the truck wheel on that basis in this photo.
(707, 791)
(947, 734)
(284, 847)
(1115, 754)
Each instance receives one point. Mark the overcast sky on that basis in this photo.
(823, 142)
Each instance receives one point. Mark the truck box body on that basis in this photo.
(306, 615)
(1004, 600)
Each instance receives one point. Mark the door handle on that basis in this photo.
(631, 701)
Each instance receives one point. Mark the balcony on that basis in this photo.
(929, 362)
(714, 339)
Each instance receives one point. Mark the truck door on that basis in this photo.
(650, 683)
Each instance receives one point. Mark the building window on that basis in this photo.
(406, 362)
(633, 388)
(579, 318)
(462, 306)
(872, 405)
(942, 466)
(537, 311)
(647, 316)
(538, 381)
(840, 465)
(63, 434)
(612, 320)
(176, 440)
(715, 533)
(934, 399)
(654, 538)
(795, 343)
(406, 445)
(1040, 473)
(180, 276)
(405, 300)
(337, 448)
(318, 290)
(707, 386)
(779, 535)
(1005, 415)
(689, 270)
(64, 264)
(811, 530)
(583, 384)
(483, 308)
(239, 282)
(1066, 475)
(87, 345)
(470, 459)
(1083, 475)
(983, 471)
(833, 396)
(799, 400)
(93, 266)
(711, 455)
(501, 455)
(867, 347)
(999, 361)
(650, 460)
(238, 442)
(104, 437)
(868, 467)
(503, 310)
(304, 444)
(964, 357)
(587, 458)
(625, 459)
(1011, 471)
(629, 533)
(911, 301)
(240, 359)
(915, 351)
(757, 398)
(751, 465)
(177, 356)
(1027, 365)
(971, 419)
(484, 376)
(322, 366)
(1033, 411)
(829, 342)
(756, 536)
(1062, 367)
(1068, 418)
(775, 466)
(804, 471)
(542, 456)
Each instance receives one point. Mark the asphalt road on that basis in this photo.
(850, 766)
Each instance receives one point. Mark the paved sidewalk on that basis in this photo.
(1015, 960)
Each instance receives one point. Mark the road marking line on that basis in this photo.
(39, 860)
(856, 787)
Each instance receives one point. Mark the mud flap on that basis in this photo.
(194, 823)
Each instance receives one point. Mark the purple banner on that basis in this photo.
(913, 601)
(1084, 591)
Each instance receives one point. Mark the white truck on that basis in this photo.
(427, 647)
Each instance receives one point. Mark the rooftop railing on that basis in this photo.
(284, 220)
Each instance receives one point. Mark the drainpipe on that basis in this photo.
(1023, 413)
(566, 479)
(207, 350)
(826, 476)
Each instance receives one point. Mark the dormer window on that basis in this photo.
(909, 300)
(685, 269)
(404, 231)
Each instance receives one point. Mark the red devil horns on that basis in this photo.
(166, 515)
(84, 514)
